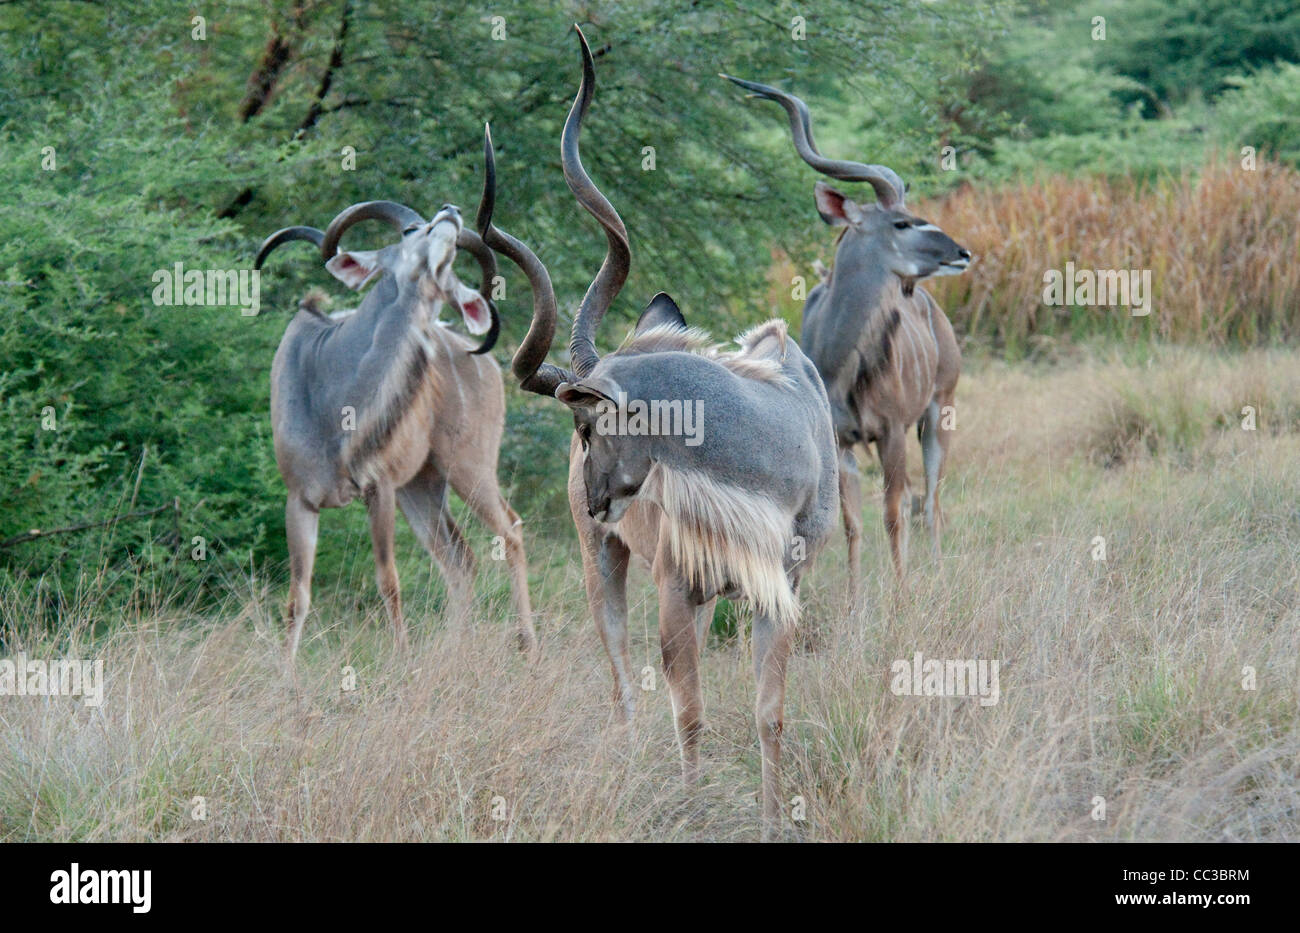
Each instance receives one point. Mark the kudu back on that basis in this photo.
(388, 404)
(738, 508)
(884, 348)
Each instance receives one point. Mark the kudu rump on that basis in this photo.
(739, 510)
(883, 346)
(388, 404)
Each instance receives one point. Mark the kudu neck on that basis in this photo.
(859, 277)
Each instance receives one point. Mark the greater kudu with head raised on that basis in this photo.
(883, 346)
(737, 509)
(386, 403)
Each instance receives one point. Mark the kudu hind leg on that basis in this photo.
(301, 522)
(381, 504)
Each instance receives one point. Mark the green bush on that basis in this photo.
(1263, 111)
(95, 374)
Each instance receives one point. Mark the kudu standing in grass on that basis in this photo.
(387, 403)
(740, 510)
(883, 346)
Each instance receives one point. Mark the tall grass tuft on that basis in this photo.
(1222, 245)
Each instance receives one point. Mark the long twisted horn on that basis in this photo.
(286, 235)
(529, 366)
(398, 216)
(888, 186)
(618, 256)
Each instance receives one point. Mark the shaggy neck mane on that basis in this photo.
(721, 535)
(761, 355)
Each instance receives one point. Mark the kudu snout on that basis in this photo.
(603, 508)
(447, 212)
(442, 233)
(952, 258)
(602, 503)
(922, 250)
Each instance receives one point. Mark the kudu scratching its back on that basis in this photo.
(883, 346)
(737, 507)
(388, 404)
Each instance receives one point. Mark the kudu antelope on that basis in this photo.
(739, 513)
(883, 346)
(386, 403)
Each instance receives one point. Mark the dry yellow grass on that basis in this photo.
(1223, 247)
(1120, 679)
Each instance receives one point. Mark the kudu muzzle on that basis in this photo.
(440, 268)
(949, 257)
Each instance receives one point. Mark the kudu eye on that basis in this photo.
(901, 225)
(410, 228)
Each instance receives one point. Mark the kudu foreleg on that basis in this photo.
(382, 507)
(681, 659)
(607, 596)
(424, 503)
(892, 445)
(300, 522)
(703, 621)
(771, 650)
(851, 508)
(490, 506)
(934, 452)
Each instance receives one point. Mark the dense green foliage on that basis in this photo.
(1171, 82)
(128, 144)
(95, 374)
(1178, 50)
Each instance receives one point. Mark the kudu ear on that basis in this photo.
(473, 308)
(836, 209)
(589, 392)
(354, 269)
(662, 311)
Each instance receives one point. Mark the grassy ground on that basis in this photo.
(1120, 679)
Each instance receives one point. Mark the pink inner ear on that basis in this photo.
(475, 312)
(347, 269)
(830, 203)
